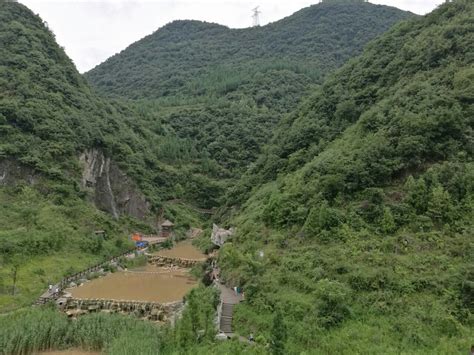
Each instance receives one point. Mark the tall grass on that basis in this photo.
(24, 332)
(97, 331)
(35, 329)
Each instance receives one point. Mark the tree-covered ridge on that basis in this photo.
(408, 91)
(363, 210)
(174, 60)
(48, 116)
(225, 89)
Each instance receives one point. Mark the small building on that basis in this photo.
(166, 228)
(100, 233)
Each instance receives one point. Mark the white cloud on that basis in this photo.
(92, 30)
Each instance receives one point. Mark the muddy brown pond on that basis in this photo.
(146, 284)
(151, 284)
(183, 250)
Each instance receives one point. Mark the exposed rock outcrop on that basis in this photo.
(220, 235)
(12, 172)
(110, 188)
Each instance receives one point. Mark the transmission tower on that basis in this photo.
(255, 16)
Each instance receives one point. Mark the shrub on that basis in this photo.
(332, 300)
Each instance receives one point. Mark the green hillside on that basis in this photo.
(192, 58)
(225, 89)
(363, 203)
(350, 181)
(48, 117)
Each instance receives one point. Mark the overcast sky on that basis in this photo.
(93, 30)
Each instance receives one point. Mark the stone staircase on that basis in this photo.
(225, 311)
(225, 325)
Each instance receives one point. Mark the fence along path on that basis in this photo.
(54, 293)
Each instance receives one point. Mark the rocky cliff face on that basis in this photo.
(11, 172)
(111, 189)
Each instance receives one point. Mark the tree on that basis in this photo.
(332, 302)
(14, 262)
(439, 205)
(278, 335)
(417, 194)
(387, 222)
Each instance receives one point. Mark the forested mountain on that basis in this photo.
(197, 58)
(49, 118)
(357, 222)
(225, 89)
(354, 215)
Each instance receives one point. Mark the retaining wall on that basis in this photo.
(164, 312)
(170, 261)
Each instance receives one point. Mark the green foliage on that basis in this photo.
(332, 302)
(417, 194)
(51, 116)
(117, 334)
(398, 123)
(356, 219)
(387, 224)
(20, 333)
(278, 334)
(439, 205)
(380, 163)
(227, 104)
(173, 61)
(57, 237)
(322, 218)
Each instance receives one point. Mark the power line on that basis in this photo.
(255, 17)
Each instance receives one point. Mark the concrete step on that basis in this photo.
(225, 323)
(227, 329)
(227, 310)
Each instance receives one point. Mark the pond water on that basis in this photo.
(183, 250)
(150, 284)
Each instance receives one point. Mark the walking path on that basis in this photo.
(228, 299)
(48, 295)
(154, 240)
